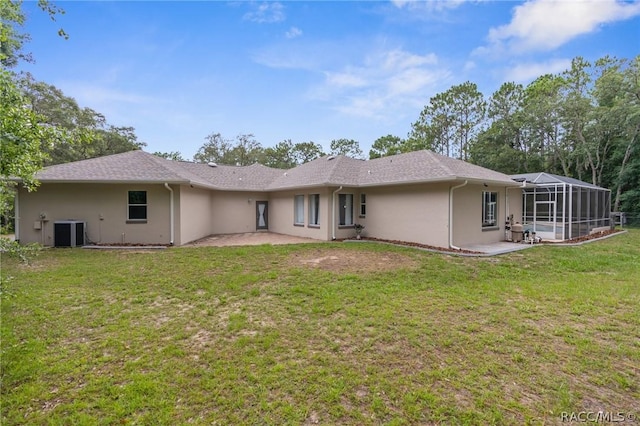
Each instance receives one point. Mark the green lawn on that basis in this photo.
(335, 333)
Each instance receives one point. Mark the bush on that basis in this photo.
(12, 248)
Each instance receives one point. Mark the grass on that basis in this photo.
(371, 334)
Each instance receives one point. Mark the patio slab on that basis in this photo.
(492, 249)
(249, 239)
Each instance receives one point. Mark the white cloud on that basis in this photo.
(266, 13)
(90, 95)
(347, 78)
(384, 84)
(526, 72)
(293, 32)
(429, 6)
(542, 25)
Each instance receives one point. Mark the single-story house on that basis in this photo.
(139, 198)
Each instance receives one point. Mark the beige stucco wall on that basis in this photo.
(235, 212)
(467, 214)
(102, 206)
(281, 205)
(194, 213)
(413, 213)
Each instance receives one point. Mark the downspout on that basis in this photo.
(333, 212)
(166, 185)
(16, 219)
(451, 214)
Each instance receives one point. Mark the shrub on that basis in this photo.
(25, 253)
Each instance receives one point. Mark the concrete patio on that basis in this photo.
(249, 239)
(259, 238)
(492, 249)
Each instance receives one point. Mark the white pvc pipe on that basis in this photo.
(451, 214)
(166, 185)
(333, 214)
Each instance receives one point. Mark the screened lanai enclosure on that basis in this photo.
(561, 208)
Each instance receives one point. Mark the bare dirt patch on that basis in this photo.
(336, 260)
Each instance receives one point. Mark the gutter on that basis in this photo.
(171, 222)
(333, 212)
(451, 214)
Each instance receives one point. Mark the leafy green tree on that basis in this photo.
(280, 156)
(89, 133)
(21, 131)
(172, 155)
(346, 147)
(450, 122)
(577, 111)
(617, 90)
(21, 134)
(215, 150)
(544, 133)
(246, 151)
(385, 146)
(433, 129)
(303, 152)
(12, 39)
(503, 146)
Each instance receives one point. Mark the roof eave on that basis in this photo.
(116, 181)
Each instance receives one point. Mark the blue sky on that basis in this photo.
(306, 71)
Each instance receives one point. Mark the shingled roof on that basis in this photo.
(142, 167)
(549, 178)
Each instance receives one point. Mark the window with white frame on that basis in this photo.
(363, 205)
(314, 209)
(345, 202)
(489, 209)
(137, 206)
(298, 210)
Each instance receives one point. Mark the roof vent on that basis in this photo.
(212, 164)
(286, 174)
(331, 157)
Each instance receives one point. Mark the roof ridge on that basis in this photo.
(438, 158)
(164, 162)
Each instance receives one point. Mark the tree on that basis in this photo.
(385, 146)
(545, 135)
(303, 152)
(503, 146)
(280, 156)
(215, 150)
(21, 131)
(88, 133)
(346, 147)
(172, 155)
(617, 91)
(21, 135)
(577, 111)
(12, 40)
(244, 152)
(450, 122)
(469, 108)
